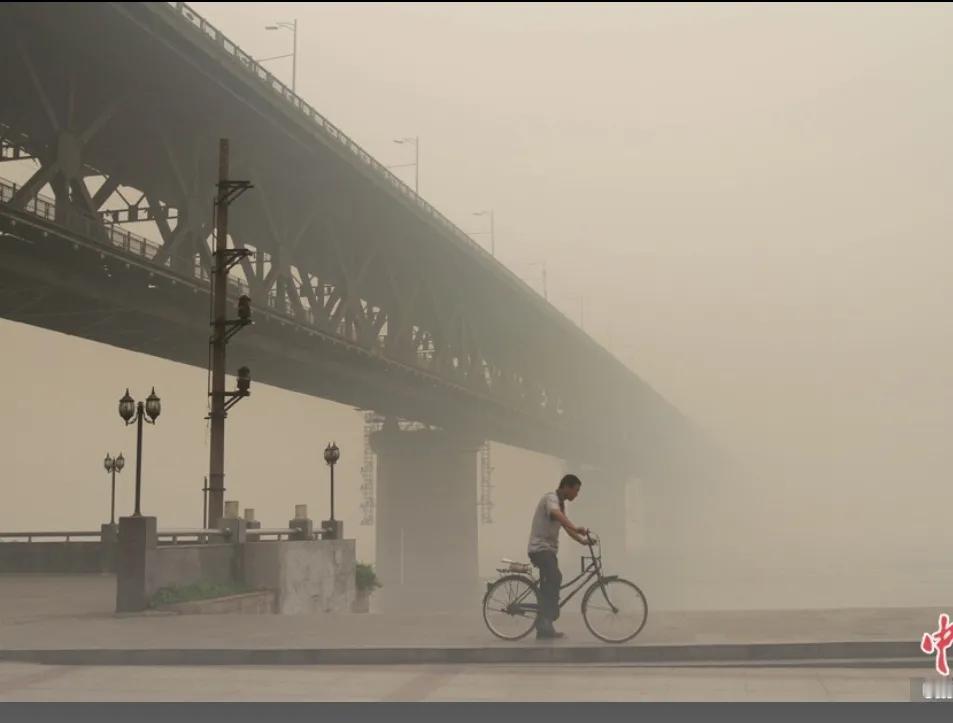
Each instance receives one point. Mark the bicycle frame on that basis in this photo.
(593, 569)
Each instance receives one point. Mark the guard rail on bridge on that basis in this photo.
(119, 238)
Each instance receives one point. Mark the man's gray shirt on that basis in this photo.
(544, 533)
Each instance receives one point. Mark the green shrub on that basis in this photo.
(365, 578)
(197, 591)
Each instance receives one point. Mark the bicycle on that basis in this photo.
(610, 602)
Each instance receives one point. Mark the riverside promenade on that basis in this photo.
(69, 619)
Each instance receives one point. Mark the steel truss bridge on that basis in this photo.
(362, 292)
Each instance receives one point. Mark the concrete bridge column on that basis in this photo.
(426, 521)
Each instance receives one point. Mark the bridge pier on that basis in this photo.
(426, 517)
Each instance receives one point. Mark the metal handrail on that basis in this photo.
(188, 532)
(274, 530)
(45, 207)
(174, 535)
(166, 534)
(277, 531)
(66, 534)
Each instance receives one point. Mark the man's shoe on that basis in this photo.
(549, 634)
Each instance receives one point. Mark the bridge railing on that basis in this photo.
(45, 207)
(165, 537)
(276, 532)
(39, 205)
(197, 536)
(264, 76)
(95, 228)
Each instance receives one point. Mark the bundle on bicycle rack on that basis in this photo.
(514, 566)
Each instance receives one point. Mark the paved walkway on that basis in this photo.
(411, 683)
(75, 612)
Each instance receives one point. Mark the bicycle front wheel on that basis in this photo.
(509, 607)
(615, 610)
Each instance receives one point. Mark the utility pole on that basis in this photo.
(222, 330)
(205, 504)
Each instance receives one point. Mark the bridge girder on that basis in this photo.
(339, 249)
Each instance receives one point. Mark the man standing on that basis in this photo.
(550, 515)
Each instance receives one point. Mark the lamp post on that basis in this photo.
(541, 264)
(489, 212)
(129, 408)
(331, 455)
(113, 465)
(416, 164)
(293, 27)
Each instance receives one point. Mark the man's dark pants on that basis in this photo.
(550, 579)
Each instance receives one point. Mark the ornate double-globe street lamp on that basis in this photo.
(129, 408)
(113, 465)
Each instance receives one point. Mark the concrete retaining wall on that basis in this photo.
(53, 557)
(182, 565)
(307, 576)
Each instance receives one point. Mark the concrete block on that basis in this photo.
(332, 529)
(237, 530)
(305, 526)
(135, 556)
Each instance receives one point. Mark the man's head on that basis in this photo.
(569, 487)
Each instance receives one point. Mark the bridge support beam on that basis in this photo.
(426, 520)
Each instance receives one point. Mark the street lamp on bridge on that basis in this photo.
(582, 311)
(129, 408)
(492, 231)
(542, 264)
(293, 27)
(416, 164)
(114, 466)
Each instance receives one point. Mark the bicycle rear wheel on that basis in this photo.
(509, 607)
(615, 611)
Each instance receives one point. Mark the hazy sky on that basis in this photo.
(753, 201)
